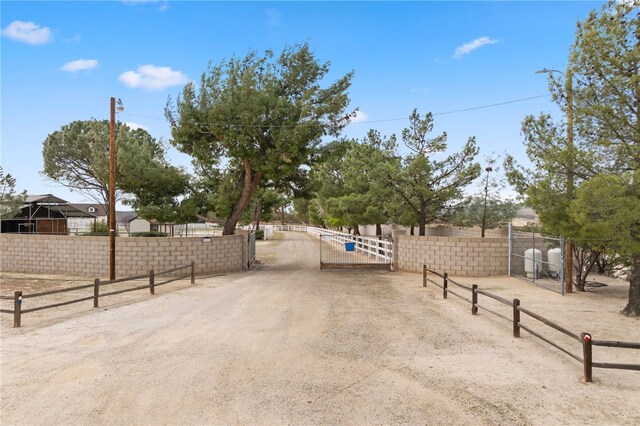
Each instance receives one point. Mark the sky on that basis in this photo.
(62, 61)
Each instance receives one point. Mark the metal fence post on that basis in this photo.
(193, 272)
(424, 275)
(17, 308)
(444, 286)
(516, 318)
(96, 292)
(474, 299)
(152, 282)
(587, 356)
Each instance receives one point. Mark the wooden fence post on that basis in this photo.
(444, 286)
(516, 318)
(193, 272)
(17, 308)
(96, 292)
(152, 282)
(474, 299)
(587, 356)
(424, 275)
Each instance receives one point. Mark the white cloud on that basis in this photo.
(164, 4)
(136, 126)
(28, 32)
(75, 39)
(151, 77)
(274, 19)
(473, 45)
(79, 65)
(360, 117)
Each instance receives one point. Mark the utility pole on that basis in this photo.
(570, 184)
(568, 81)
(486, 192)
(112, 191)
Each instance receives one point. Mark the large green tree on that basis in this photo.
(77, 156)
(351, 180)
(10, 202)
(423, 184)
(261, 115)
(605, 82)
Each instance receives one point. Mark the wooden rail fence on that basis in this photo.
(18, 296)
(585, 339)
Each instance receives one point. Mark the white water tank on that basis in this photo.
(532, 262)
(554, 257)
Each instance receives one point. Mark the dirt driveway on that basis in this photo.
(290, 344)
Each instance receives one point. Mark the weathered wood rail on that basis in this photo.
(18, 296)
(584, 339)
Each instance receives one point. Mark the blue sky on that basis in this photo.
(62, 61)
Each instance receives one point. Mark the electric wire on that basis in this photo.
(358, 122)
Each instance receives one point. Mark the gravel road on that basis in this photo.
(290, 344)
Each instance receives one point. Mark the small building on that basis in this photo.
(131, 222)
(43, 214)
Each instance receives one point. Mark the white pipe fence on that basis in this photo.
(369, 245)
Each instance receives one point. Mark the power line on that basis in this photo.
(455, 111)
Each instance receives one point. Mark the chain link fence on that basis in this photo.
(537, 258)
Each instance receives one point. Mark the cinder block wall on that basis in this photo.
(89, 256)
(467, 257)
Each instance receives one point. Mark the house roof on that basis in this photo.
(45, 199)
(52, 203)
(98, 209)
(126, 217)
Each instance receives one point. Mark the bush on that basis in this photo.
(259, 234)
(149, 234)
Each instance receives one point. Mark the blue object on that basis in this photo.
(349, 246)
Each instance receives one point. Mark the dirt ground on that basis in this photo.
(290, 344)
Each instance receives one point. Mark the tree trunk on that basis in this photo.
(258, 218)
(422, 219)
(412, 230)
(378, 229)
(356, 230)
(633, 306)
(282, 215)
(249, 188)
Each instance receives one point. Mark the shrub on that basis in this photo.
(149, 234)
(259, 234)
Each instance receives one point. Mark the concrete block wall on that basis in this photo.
(467, 257)
(89, 256)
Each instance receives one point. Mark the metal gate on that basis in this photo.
(354, 251)
(252, 249)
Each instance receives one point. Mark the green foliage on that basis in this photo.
(10, 202)
(602, 84)
(260, 234)
(608, 206)
(350, 178)
(498, 212)
(424, 186)
(301, 209)
(149, 234)
(99, 228)
(262, 114)
(77, 156)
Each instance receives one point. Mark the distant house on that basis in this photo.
(44, 214)
(525, 217)
(131, 222)
(79, 225)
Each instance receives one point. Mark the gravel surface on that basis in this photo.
(290, 344)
